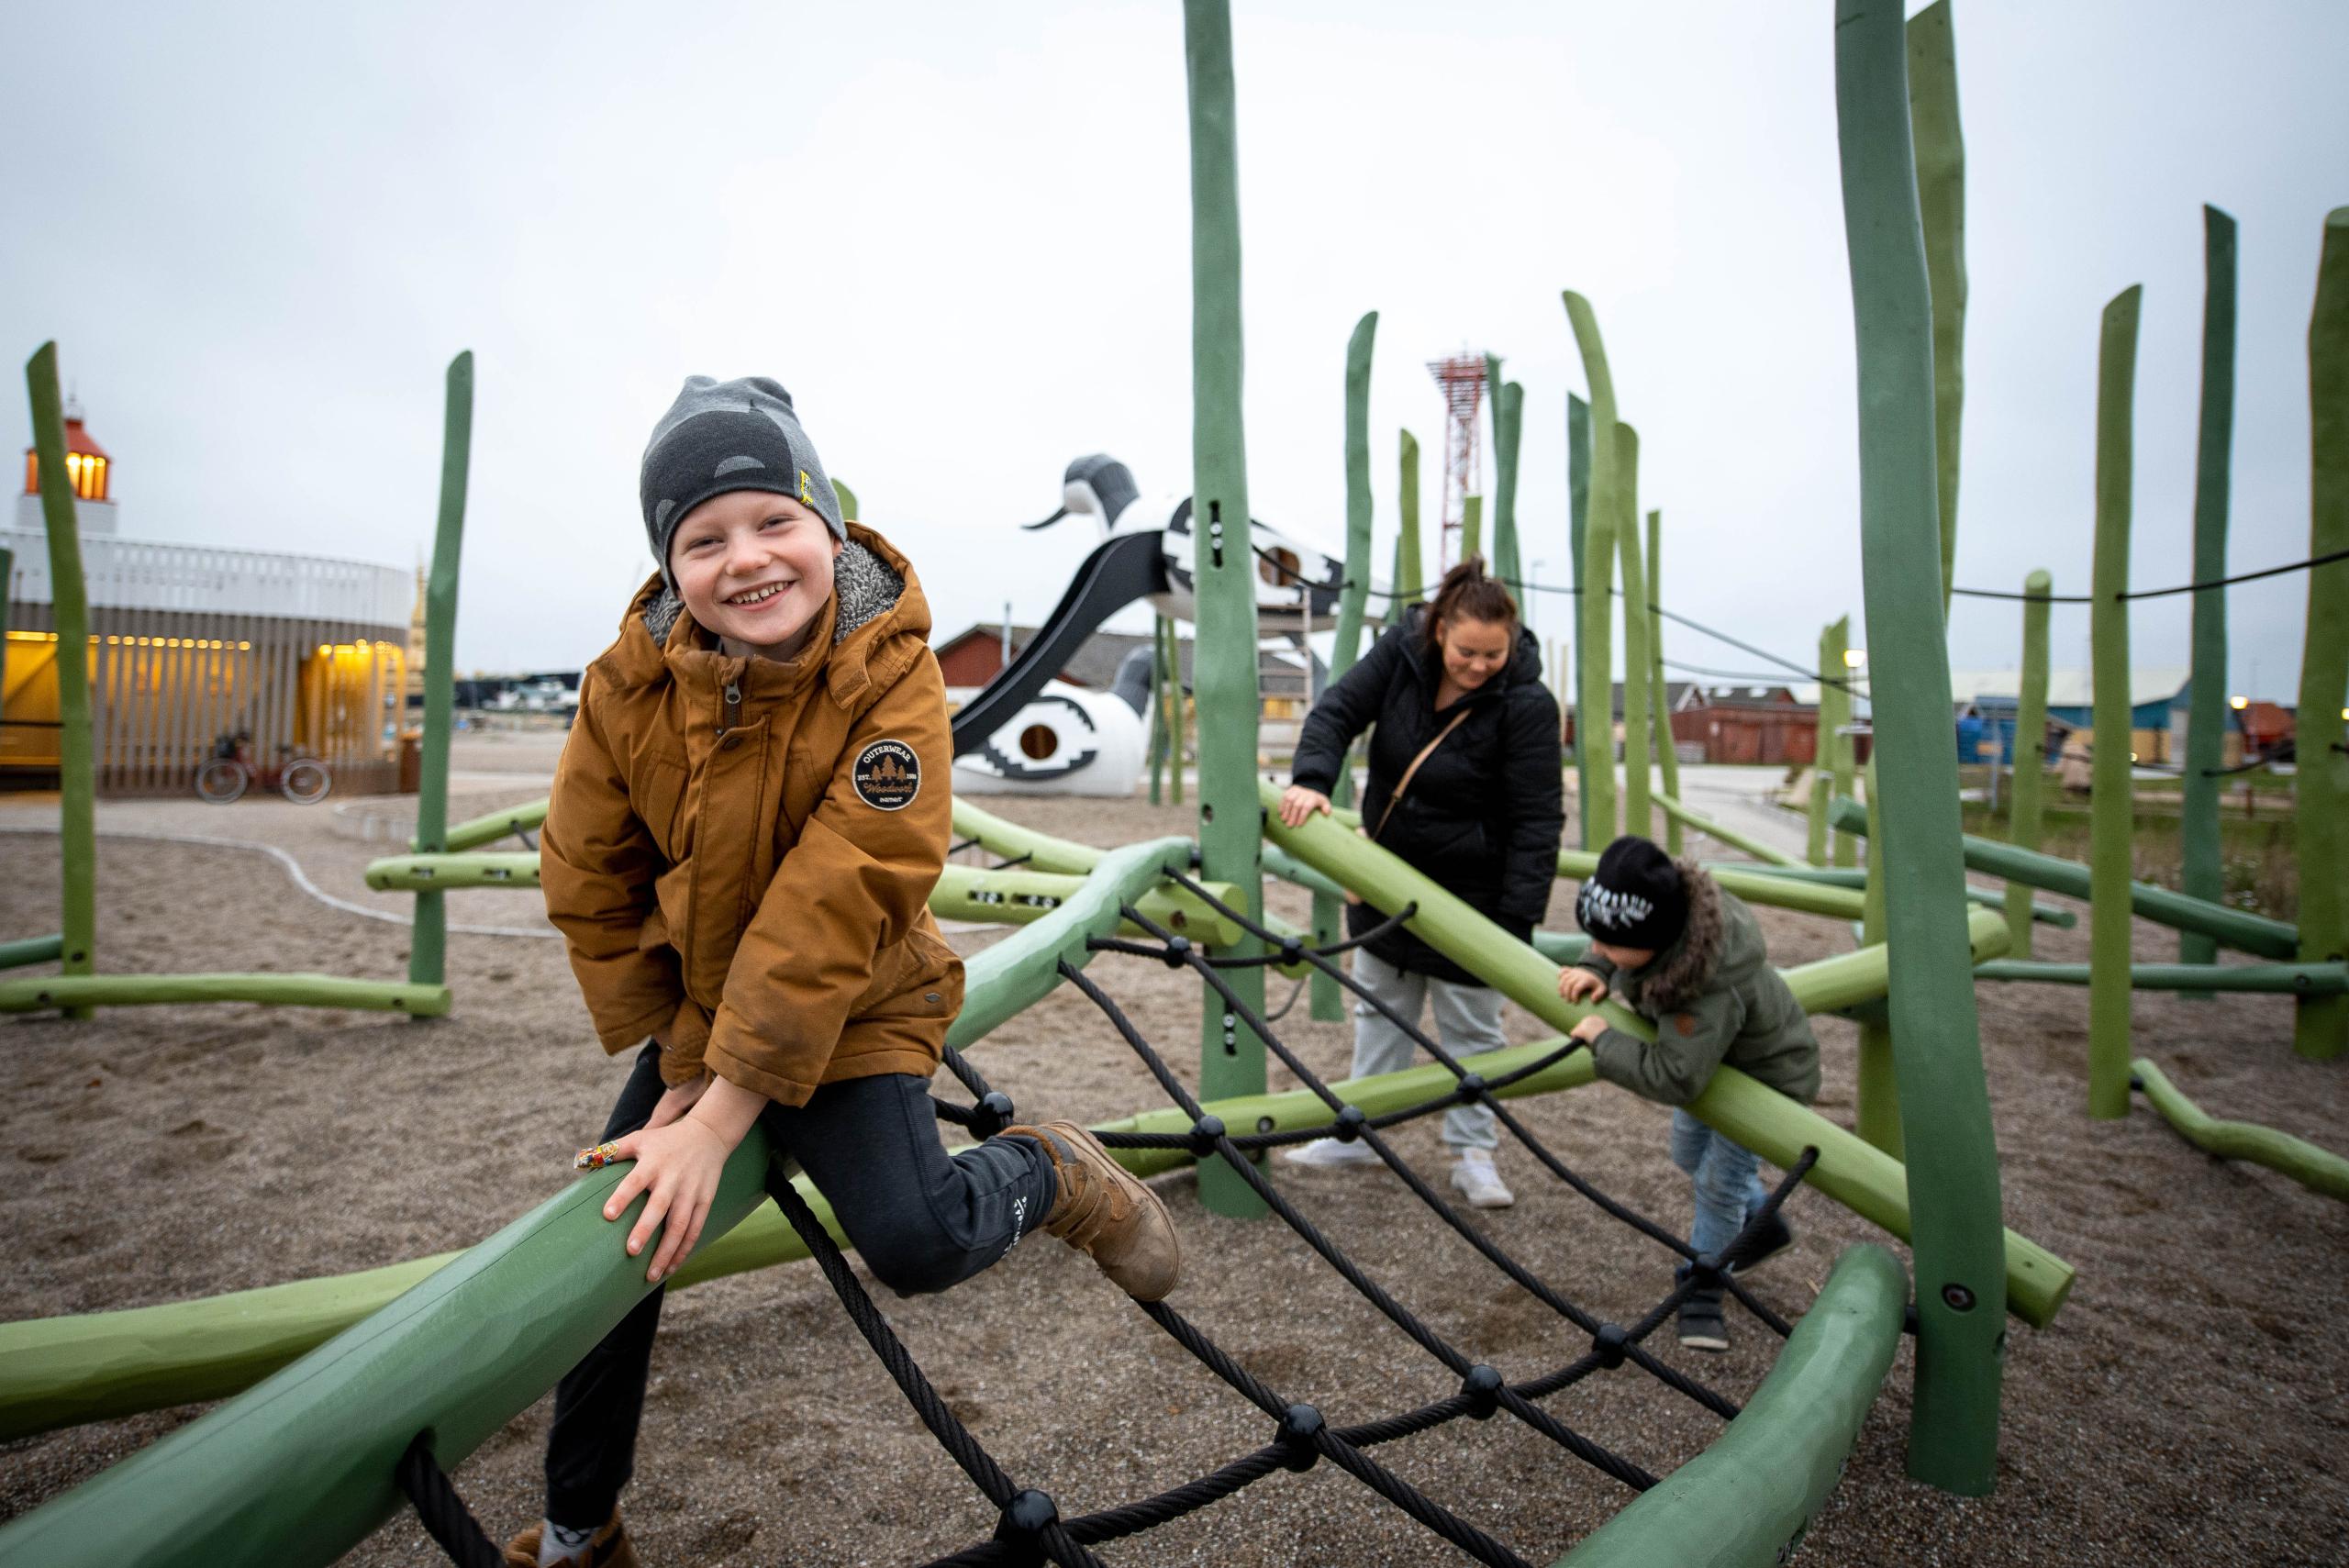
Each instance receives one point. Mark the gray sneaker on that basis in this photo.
(1701, 1328)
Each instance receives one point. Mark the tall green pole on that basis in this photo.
(1409, 580)
(849, 507)
(77, 766)
(1224, 656)
(1960, 1278)
(1941, 199)
(2321, 1027)
(1836, 749)
(2111, 804)
(1578, 520)
(1594, 649)
(2199, 872)
(2023, 825)
(428, 942)
(1471, 527)
(1157, 707)
(1639, 800)
(1178, 709)
(1327, 1000)
(1660, 709)
(1508, 414)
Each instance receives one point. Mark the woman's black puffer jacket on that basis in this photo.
(1484, 811)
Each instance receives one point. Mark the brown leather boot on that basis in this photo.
(608, 1548)
(1104, 1212)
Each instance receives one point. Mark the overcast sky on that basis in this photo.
(959, 234)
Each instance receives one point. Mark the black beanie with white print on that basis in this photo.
(728, 435)
(1635, 899)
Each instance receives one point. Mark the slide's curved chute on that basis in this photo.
(1124, 568)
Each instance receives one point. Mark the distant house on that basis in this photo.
(2255, 729)
(1756, 724)
(1995, 695)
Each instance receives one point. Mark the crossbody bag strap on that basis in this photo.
(1404, 782)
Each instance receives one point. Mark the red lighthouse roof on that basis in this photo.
(86, 462)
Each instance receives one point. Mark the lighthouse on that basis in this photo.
(90, 470)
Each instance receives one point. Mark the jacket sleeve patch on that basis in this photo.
(887, 775)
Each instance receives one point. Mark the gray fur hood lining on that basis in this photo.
(1685, 970)
(865, 585)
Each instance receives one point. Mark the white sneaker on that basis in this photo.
(1479, 1182)
(1330, 1153)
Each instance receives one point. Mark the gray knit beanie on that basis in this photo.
(728, 435)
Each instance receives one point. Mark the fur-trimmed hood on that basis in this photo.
(1685, 970)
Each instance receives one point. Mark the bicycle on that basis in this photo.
(301, 778)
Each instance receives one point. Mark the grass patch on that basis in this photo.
(2255, 854)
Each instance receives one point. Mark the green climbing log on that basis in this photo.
(1594, 647)
(1864, 1179)
(429, 940)
(1578, 524)
(2319, 1170)
(1937, 1060)
(75, 995)
(77, 768)
(2050, 873)
(2200, 872)
(1035, 850)
(1639, 781)
(2321, 785)
(27, 951)
(1660, 700)
(1328, 1002)
(1940, 153)
(2024, 827)
(1748, 1497)
(1989, 898)
(2277, 979)
(1409, 564)
(1768, 854)
(473, 833)
(299, 1468)
(2111, 801)
(1231, 1058)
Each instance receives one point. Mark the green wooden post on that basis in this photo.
(849, 507)
(1814, 849)
(2111, 806)
(77, 766)
(1639, 798)
(1158, 707)
(2023, 826)
(1508, 415)
(1578, 514)
(1178, 713)
(1660, 709)
(1410, 564)
(1224, 656)
(429, 941)
(1961, 1280)
(1328, 999)
(1594, 649)
(1941, 199)
(1835, 750)
(2199, 872)
(1471, 527)
(2321, 1027)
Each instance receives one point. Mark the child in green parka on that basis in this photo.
(1677, 949)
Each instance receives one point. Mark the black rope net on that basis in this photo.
(1029, 1528)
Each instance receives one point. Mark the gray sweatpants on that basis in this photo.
(1467, 1020)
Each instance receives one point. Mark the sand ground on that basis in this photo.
(2187, 1406)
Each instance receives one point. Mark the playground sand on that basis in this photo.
(2189, 1405)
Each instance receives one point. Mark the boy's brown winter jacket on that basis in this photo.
(740, 851)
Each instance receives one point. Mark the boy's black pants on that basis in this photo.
(921, 1221)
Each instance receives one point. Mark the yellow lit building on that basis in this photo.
(189, 643)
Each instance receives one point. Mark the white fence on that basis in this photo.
(147, 574)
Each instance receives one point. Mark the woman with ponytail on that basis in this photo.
(1465, 786)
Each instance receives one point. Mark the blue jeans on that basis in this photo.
(920, 1220)
(1724, 1178)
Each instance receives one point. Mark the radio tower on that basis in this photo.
(1463, 379)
